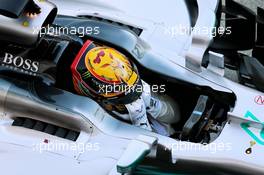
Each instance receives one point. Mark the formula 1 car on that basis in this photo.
(193, 47)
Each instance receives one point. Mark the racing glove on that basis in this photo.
(162, 108)
(138, 114)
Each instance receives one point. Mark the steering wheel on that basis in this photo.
(195, 118)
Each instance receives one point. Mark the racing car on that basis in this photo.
(196, 48)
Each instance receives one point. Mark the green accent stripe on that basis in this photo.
(246, 126)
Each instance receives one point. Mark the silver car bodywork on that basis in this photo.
(25, 151)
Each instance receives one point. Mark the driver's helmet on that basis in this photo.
(105, 74)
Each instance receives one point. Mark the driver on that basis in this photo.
(113, 81)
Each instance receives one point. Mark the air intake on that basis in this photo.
(132, 29)
(46, 128)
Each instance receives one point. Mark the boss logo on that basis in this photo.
(19, 62)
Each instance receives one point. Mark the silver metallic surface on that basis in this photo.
(97, 126)
(25, 30)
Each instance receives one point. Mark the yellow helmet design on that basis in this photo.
(109, 66)
(105, 73)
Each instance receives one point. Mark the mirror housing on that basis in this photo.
(136, 151)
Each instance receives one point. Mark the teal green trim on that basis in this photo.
(245, 126)
(262, 133)
(252, 116)
(132, 166)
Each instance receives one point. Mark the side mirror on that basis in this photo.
(136, 151)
